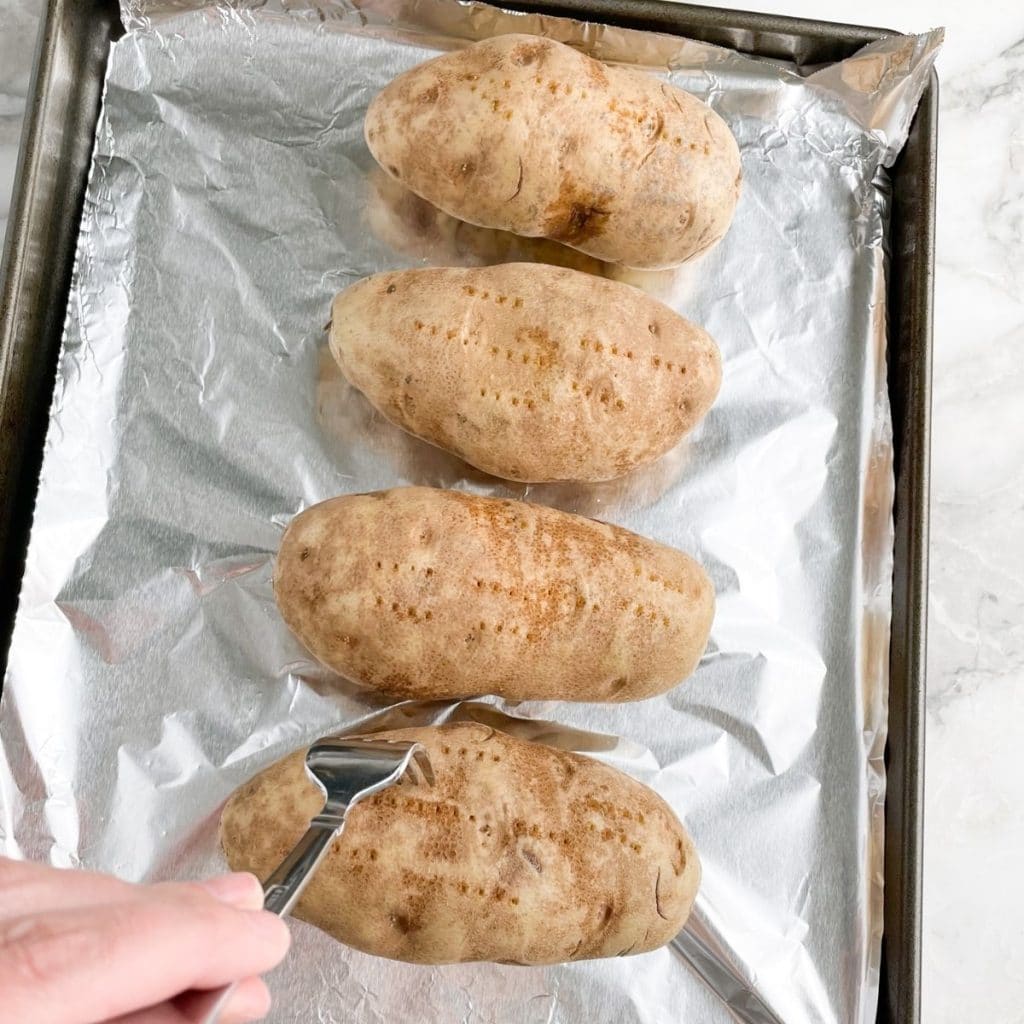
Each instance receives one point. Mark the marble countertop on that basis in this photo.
(974, 836)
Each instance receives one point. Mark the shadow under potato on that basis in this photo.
(417, 229)
(351, 422)
(536, 730)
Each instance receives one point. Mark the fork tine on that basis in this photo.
(419, 771)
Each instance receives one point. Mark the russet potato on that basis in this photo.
(529, 135)
(518, 853)
(425, 594)
(527, 371)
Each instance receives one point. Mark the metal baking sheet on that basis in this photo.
(194, 414)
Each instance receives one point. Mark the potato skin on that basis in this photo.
(527, 371)
(529, 135)
(427, 594)
(519, 853)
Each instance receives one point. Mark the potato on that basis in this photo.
(527, 371)
(528, 135)
(425, 594)
(519, 853)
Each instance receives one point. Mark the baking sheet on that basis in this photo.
(196, 411)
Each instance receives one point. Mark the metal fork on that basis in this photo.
(346, 770)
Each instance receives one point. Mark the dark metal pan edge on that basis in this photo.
(35, 274)
(802, 40)
(911, 293)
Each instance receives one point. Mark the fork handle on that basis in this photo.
(283, 888)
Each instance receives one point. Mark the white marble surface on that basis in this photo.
(974, 838)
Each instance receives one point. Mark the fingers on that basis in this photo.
(240, 890)
(107, 959)
(249, 1002)
(27, 888)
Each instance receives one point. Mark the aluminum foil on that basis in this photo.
(197, 410)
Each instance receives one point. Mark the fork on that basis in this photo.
(346, 770)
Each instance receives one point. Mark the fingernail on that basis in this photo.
(239, 889)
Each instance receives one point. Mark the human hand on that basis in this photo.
(83, 948)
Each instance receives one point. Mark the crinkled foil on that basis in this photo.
(197, 410)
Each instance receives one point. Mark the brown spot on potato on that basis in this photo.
(596, 72)
(575, 216)
(525, 54)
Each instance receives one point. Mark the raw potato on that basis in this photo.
(519, 853)
(531, 136)
(527, 371)
(426, 594)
